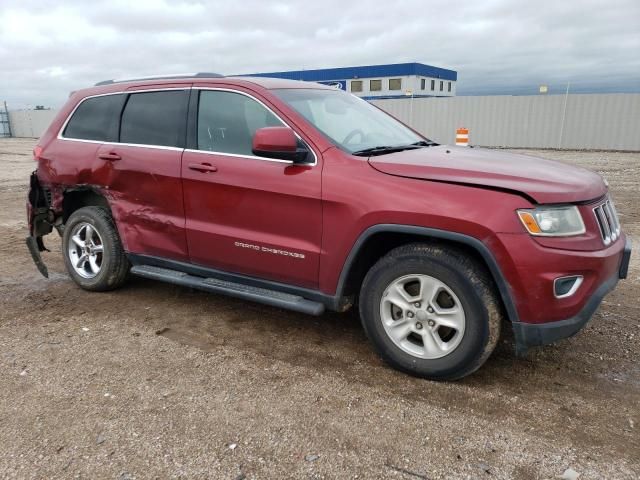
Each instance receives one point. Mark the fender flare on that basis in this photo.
(479, 246)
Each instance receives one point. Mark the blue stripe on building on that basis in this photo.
(369, 71)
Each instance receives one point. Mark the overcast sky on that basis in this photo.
(48, 48)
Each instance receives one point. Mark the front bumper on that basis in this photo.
(531, 334)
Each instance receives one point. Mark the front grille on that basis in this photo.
(607, 219)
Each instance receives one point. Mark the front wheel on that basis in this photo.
(92, 251)
(430, 311)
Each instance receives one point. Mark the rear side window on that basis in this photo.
(155, 118)
(96, 119)
(227, 122)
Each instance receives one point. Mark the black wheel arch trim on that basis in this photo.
(479, 246)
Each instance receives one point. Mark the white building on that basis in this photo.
(396, 80)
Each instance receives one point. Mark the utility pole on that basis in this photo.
(564, 114)
(410, 92)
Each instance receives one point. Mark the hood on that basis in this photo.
(545, 181)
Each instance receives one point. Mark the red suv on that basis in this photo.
(304, 197)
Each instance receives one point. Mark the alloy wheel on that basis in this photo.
(86, 250)
(422, 316)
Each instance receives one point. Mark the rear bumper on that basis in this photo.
(39, 218)
(531, 334)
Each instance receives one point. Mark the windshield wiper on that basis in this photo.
(382, 149)
(425, 143)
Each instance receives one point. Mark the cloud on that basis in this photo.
(49, 48)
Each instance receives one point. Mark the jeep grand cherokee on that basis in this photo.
(304, 197)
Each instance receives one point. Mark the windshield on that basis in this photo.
(349, 122)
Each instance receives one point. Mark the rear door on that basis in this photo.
(142, 172)
(73, 160)
(247, 214)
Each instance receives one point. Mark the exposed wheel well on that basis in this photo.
(379, 244)
(78, 198)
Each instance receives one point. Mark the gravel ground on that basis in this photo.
(155, 381)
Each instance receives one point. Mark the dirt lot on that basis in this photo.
(89, 389)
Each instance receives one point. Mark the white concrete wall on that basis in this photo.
(585, 121)
(581, 121)
(30, 123)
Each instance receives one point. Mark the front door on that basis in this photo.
(247, 214)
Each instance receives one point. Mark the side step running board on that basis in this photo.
(237, 290)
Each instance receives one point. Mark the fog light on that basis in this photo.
(564, 287)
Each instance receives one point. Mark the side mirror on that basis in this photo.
(278, 142)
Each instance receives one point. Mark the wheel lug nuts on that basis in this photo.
(431, 323)
(410, 314)
(417, 304)
(430, 310)
(418, 326)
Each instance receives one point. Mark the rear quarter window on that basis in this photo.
(96, 119)
(155, 118)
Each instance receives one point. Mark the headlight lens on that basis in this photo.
(552, 221)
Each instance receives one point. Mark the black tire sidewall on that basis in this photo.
(91, 215)
(476, 332)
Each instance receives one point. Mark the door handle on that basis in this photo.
(203, 167)
(109, 156)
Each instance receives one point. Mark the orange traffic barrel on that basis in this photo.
(462, 137)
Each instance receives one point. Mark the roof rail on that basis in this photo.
(163, 77)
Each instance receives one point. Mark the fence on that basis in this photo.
(580, 121)
(5, 125)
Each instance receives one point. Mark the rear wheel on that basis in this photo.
(430, 312)
(92, 250)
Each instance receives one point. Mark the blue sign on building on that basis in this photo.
(339, 84)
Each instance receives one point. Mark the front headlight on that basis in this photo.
(552, 221)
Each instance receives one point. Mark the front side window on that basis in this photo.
(227, 122)
(96, 119)
(155, 118)
(375, 85)
(347, 121)
(356, 85)
(395, 84)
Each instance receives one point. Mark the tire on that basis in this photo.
(99, 264)
(410, 334)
